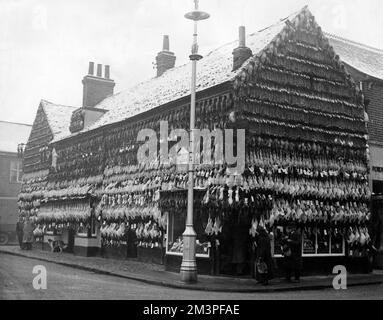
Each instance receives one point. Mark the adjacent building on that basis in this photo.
(12, 138)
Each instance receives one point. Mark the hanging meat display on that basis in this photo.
(306, 153)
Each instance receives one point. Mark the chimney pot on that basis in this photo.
(165, 43)
(107, 72)
(99, 70)
(242, 36)
(91, 68)
(241, 53)
(165, 59)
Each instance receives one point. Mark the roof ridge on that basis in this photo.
(18, 123)
(334, 36)
(56, 104)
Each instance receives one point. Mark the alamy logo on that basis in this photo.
(40, 281)
(340, 280)
(216, 147)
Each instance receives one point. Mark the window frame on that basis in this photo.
(179, 254)
(320, 255)
(316, 254)
(18, 170)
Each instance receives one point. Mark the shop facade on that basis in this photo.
(306, 161)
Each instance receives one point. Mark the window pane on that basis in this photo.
(336, 242)
(13, 176)
(323, 238)
(309, 241)
(19, 176)
(176, 228)
(13, 165)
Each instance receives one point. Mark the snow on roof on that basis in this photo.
(12, 134)
(58, 117)
(214, 69)
(361, 57)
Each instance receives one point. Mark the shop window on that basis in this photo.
(337, 242)
(309, 242)
(88, 230)
(83, 230)
(322, 242)
(53, 229)
(316, 242)
(16, 172)
(175, 229)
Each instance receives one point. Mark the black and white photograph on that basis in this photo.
(209, 151)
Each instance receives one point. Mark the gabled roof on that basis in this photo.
(361, 57)
(58, 117)
(12, 134)
(214, 69)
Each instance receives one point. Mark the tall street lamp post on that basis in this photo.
(189, 264)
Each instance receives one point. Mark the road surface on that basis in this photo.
(69, 283)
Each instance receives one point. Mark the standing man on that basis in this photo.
(292, 252)
(264, 262)
(20, 232)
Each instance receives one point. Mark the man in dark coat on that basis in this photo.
(293, 254)
(20, 232)
(263, 257)
(28, 234)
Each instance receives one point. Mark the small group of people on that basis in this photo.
(24, 231)
(264, 260)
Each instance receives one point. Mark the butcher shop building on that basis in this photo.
(312, 114)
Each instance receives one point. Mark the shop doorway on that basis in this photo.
(235, 257)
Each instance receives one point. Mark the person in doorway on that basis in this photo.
(28, 234)
(292, 252)
(20, 231)
(264, 262)
(240, 245)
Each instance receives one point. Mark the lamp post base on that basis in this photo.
(189, 276)
(189, 264)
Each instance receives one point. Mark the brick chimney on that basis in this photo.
(95, 87)
(241, 53)
(165, 59)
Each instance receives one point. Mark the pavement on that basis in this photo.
(17, 282)
(156, 275)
